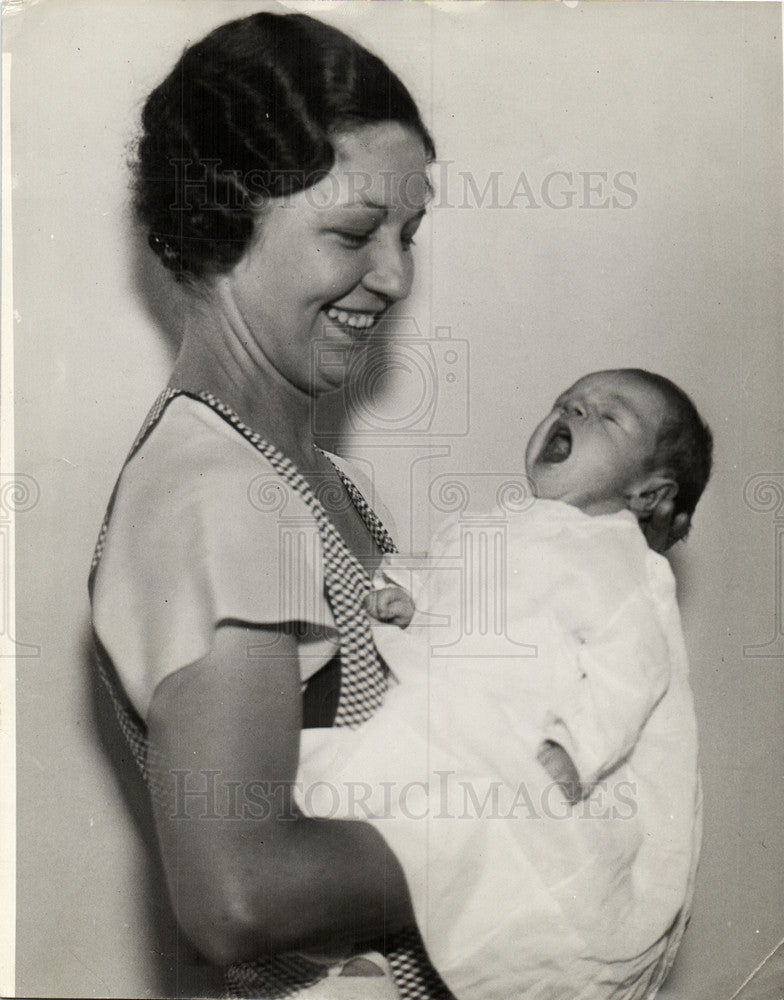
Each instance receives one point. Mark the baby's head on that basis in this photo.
(623, 439)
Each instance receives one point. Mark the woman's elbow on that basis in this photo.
(225, 928)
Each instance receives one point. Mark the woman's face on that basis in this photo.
(327, 262)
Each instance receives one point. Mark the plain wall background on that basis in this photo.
(687, 281)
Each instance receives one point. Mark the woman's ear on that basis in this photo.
(645, 497)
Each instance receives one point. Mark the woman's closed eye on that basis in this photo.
(353, 240)
(356, 241)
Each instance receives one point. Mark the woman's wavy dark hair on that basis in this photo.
(249, 113)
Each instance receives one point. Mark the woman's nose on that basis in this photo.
(391, 271)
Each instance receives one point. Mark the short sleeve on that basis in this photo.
(202, 532)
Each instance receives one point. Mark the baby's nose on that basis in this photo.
(574, 408)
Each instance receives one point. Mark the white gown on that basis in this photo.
(516, 892)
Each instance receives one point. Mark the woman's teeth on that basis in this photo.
(357, 320)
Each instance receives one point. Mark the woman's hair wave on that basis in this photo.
(248, 113)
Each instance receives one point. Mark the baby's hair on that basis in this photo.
(684, 444)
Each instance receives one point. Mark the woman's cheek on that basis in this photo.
(339, 270)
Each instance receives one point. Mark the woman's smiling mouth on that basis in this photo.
(351, 318)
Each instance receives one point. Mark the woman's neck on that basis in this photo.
(208, 361)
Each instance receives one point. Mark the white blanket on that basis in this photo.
(516, 892)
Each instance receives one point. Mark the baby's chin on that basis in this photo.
(597, 506)
(593, 506)
(548, 481)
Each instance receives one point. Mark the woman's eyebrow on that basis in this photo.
(366, 202)
(383, 210)
(360, 200)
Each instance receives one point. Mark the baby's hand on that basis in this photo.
(391, 604)
(559, 765)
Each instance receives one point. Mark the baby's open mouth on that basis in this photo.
(558, 445)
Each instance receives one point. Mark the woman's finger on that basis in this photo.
(657, 529)
(664, 529)
(680, 528)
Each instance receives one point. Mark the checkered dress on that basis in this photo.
(362, 687)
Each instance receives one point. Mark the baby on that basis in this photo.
(615, 441)
(542, 796)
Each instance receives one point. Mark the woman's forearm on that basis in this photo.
(322, 885)
(248, 874)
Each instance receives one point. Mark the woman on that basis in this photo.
(282, 177)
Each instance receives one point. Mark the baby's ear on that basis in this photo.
(645, 497)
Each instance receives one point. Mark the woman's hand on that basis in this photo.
(662, 529)
(248, 875)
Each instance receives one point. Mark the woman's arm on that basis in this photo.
(248, 875)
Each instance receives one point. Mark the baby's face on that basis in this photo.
(595, 447)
